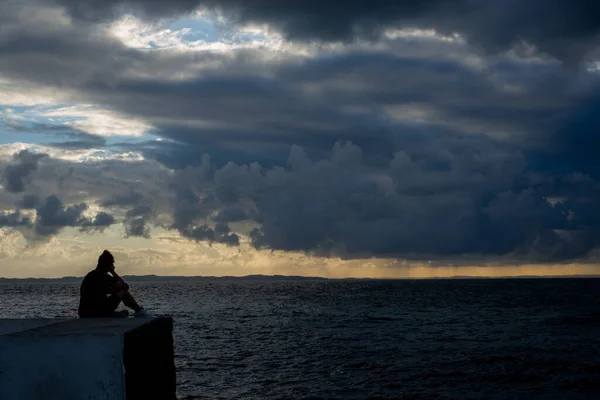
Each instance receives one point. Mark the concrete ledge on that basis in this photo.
(8, 326)
(108, 359)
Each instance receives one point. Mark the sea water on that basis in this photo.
(361, 339)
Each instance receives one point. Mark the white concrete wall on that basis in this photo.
(71, 367)
(84, 359)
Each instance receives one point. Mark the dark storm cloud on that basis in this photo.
(275, 112)
(139, 211)
(190, 212)
(223, 234)
(136, 188)
(450, 197)
(567, 30)
(136, 227)
(13, 220)
(29, 202)
(576, 142)
(101, 221)
(231, 214)
(262, 107)
(137, 216)
(52, 216)
(127, 199)
(453, 154)
(220, 234)
(17, 174)
(353, 78)
(135, 221)
(272, 116)
(101, 177)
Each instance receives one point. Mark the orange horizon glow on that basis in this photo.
(415, 272)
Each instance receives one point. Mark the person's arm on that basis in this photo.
(111, 285)
(119, 279)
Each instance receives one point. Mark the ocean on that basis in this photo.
(365, 339)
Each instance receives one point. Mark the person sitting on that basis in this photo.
(102, 290)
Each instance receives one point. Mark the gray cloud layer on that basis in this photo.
(16, 174)
(453, 152)
(567, 30)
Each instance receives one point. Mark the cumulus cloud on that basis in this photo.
(52, 216)
(139, 211)
(455, 196)
(13, 219)
(191, 212)
(17, 174)
(130, 190)
(135, 221)
(97, 177)
(437, 196)
(219, 234)
(100, 221)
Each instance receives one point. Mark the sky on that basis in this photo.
(380, 138)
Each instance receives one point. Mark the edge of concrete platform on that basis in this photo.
(81, 326)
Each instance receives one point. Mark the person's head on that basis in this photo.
(105, 261)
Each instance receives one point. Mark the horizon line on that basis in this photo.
(279, 276)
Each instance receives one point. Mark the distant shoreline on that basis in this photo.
(162, 278)
(158, 278)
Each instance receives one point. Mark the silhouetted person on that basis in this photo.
(102, 290)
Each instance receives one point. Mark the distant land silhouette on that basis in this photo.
(158, 278)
